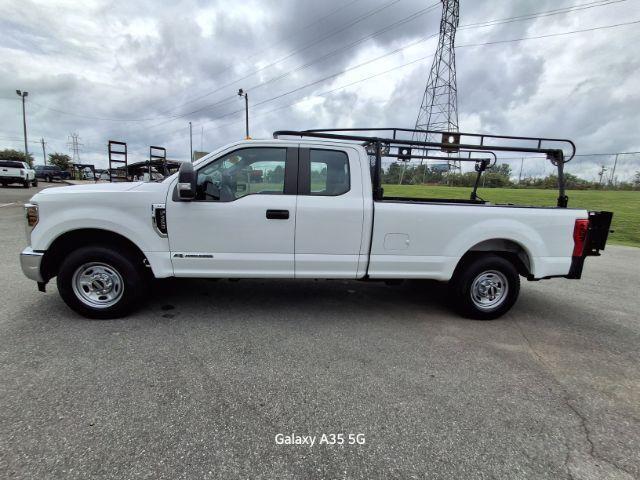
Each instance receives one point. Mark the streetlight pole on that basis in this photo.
(191, 141)
(24, 123)
(44, 153)
(242, 93)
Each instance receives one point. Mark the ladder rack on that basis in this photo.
(379, 140)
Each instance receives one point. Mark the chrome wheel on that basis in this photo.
(489, 290)
(97, 285)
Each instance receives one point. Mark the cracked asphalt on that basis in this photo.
(198, 382)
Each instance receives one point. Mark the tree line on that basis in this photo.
(62, 160)
(496, 177)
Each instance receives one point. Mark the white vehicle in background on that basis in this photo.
(12, 171)
(309, 205)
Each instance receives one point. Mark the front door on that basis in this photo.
(242, 222)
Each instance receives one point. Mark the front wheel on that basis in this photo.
(98, 282)
(25, 184)
(34, 182)
(485, 287)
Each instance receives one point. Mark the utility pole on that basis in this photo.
(520, 174)
(613, 172)
(242, 93)
(191, 142)
(23, 95)
(44, 153)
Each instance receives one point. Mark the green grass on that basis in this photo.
(624, 205)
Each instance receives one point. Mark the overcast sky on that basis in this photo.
(139, 71)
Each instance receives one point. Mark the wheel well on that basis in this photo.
(508, 249)
(70, 241)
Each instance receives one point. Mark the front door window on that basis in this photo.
(243, 172)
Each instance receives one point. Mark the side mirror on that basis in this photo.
(186, 182)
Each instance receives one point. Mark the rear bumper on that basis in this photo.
(12, 179)
(30, 262)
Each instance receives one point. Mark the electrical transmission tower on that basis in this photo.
(439, 108)
(74, 146)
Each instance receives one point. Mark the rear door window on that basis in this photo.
(328, 173)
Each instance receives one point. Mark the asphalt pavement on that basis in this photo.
(202, 378)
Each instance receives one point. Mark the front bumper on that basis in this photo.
(30, 262)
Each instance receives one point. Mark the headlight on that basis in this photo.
(32, 216)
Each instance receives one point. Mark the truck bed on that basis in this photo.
(421, 238)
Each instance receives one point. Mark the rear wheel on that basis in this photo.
(34, 182)
(25, 184)
(98, 282)
(485, 287)
(48, 179)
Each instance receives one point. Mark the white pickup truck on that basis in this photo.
(12, 171)
(308, 207)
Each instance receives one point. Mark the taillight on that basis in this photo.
(579, 236)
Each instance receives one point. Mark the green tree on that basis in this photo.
(636, 180)
(503, 169)
(60, 159)
(16, 155)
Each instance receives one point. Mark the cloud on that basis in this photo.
(140, 71)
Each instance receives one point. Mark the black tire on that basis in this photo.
(48, 179)
(25, 184)
(132, 281)
(34, 183)
(485, 275)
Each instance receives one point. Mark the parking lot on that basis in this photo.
(200, 380)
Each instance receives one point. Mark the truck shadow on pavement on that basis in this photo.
(293, 298)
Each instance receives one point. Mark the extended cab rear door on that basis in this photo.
(330, 212)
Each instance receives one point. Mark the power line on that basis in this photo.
(415, 43)
(411, 44)
(402, 21)
(292, 53)
(321, 94)
(549, 35)
(413, 16)
(548, 13)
